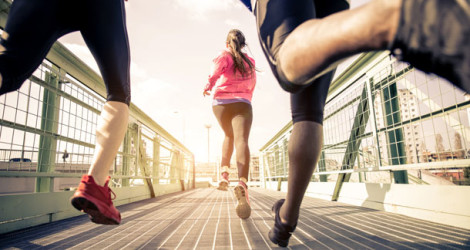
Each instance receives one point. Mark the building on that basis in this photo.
(412, 135)
(254, 174)
(211, 171)
(206, 171)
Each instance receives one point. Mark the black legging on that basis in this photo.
(34, 25)
(276, 19)
(235, 120)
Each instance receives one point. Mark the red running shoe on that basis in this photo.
(96, 201)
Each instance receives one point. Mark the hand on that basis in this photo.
(206, 92)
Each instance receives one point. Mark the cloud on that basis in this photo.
(198, 9)
(144, 84)
(232, 23)
(205, 5)
(82, 52)
(137, 71)
(146, 90)
(141, 80)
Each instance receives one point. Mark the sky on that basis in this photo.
(172, 45)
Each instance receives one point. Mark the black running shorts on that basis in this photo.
(276, 19)
(34, 25)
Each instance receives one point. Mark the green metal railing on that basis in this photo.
(386, 122)
(47, 139)
(47, 130)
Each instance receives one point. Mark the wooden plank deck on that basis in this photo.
(206, 219)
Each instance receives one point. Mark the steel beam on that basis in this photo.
(47, 144)
(359, 126)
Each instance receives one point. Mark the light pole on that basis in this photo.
(208, 126)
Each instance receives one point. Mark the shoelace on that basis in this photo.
(110, 195)
(111, 191)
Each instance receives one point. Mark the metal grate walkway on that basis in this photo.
(206, 219)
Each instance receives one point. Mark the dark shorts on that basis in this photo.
(276, 19)
(34, 25)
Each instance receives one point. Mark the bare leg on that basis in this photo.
(227, 150)
(241, 123)
(316, 44)
(224, 119)
(242, 126)
(110, 132)
(304, 149)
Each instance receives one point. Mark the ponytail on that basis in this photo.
(236, 41)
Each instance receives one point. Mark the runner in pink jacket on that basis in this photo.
(235, 75)
(232, 84)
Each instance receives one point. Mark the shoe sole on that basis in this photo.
(272, 236)
(243, 209)
(86, 206)
(281, 243)
(223, 186)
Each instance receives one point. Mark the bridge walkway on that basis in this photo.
(206, 219)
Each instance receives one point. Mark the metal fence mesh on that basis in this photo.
(49, 126)
(391, 117)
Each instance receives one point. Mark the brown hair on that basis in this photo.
(236, 42)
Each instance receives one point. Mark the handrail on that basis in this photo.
(392, 121)
(65, 66)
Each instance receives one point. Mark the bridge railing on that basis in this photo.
(385, 123)
(47, 139)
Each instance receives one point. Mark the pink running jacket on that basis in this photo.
(231, 85)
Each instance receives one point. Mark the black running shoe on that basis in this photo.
(280, 233)
(434, 36)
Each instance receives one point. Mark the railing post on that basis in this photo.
(262, 164)
(194, 172)
(156, 160)
(322, 167)
(174, 165)
(395, 136)
(181, 166)
(285, 157)
(47, 143)
(371, 99)
(143, 165)
(357, 131)
(130, 149)
(126, 161)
